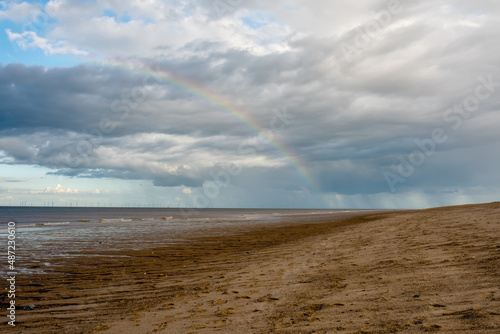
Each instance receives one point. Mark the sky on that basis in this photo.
(247, 103)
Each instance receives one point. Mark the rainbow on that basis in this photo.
(223, 104)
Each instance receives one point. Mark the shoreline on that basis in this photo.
(354, 275)
(45, 237)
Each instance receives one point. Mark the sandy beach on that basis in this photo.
(408, 272)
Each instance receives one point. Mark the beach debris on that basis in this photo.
(30, 307)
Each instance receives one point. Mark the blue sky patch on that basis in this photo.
(258, 20)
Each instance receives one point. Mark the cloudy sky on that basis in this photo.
(248, 103)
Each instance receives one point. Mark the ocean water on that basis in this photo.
(43, 234)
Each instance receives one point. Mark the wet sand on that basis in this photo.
(409, 272)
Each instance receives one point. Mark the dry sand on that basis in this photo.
(408, 272)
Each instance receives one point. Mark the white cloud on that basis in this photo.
(187, 191)
(59, 189)
(30, 40)
(148, 28)
(19, 11)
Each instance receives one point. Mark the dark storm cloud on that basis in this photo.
(57, 98)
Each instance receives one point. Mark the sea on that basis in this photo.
(42, 234)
